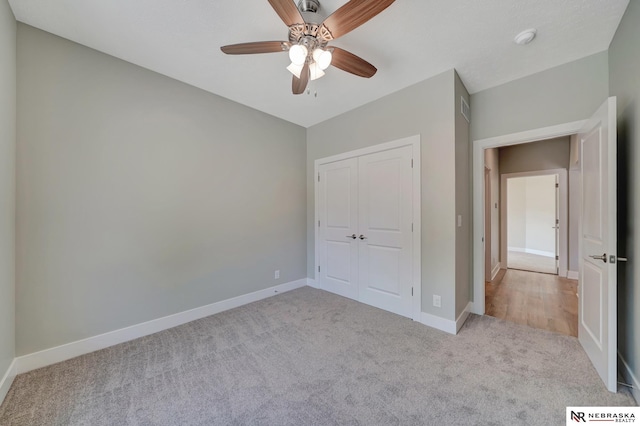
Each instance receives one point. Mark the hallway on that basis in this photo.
(542, 301)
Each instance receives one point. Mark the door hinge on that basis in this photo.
(557, 185)
(412, 291)
(318, 268)
(412, 163)
(318, 177)
(318, 224)
(412, 227)
(557, 257)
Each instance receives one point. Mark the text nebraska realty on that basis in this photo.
(600, 417)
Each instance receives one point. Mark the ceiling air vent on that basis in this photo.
(464, 108)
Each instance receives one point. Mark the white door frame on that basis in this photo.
(563, 250)
(479, 146)
(414, 142)
(488, 273)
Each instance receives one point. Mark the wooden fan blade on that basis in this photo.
(351, 63)
(256, 47)
(299, 84)
(352, 15)
(287, 11)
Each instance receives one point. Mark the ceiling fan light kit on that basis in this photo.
(308, 39)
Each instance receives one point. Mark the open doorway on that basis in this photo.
(532, 224)
(528, 281)
(597, 258)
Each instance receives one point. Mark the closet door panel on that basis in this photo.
(384, 230)
(338, 207)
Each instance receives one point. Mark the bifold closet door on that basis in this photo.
(338, 207)
(385, 222)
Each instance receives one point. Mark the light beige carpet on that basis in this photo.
(531, 262)
(308, 357)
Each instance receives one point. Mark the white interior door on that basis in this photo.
(385, 234)
(597, 326)
(338, 225)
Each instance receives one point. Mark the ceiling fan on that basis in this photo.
(309, 37)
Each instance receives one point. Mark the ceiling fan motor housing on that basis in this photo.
(308, 6)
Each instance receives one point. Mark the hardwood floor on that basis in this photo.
(537, 300)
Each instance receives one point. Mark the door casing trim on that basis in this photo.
(563, 248)
(478, 148)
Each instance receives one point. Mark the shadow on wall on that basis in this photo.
(625, 218)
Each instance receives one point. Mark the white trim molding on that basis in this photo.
(463, 316)
(7, 380)
(67, 351)
(573, 275)
(442, 324)
(629, 377)
(495, 270)
(532, 251)
(312, 283)
(434, 321)
(478, 148)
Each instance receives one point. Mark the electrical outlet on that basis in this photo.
(276, 274)
(437, 301)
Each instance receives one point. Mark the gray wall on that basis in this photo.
(424, 109)
(463, 199)
(624, 83)
(567, 93)
(140, 196)
(7, 184)
(528, 157)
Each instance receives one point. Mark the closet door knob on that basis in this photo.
(353, 236)
(362, 237)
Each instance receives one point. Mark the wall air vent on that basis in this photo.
(464, 108)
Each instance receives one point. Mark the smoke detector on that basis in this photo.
(526, 36)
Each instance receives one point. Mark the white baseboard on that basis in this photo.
(573, 275)
(495, 271)
(463, 316)
(517, 249)
(71, 350)
(532, 251)
(7, 380)
(448, 326)
(629, 377)
(312, 283)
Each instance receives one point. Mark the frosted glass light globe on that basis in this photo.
(315, 72)
(298, 54)
(295, 69)
(322, 58)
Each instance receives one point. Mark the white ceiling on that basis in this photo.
(409, 42)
